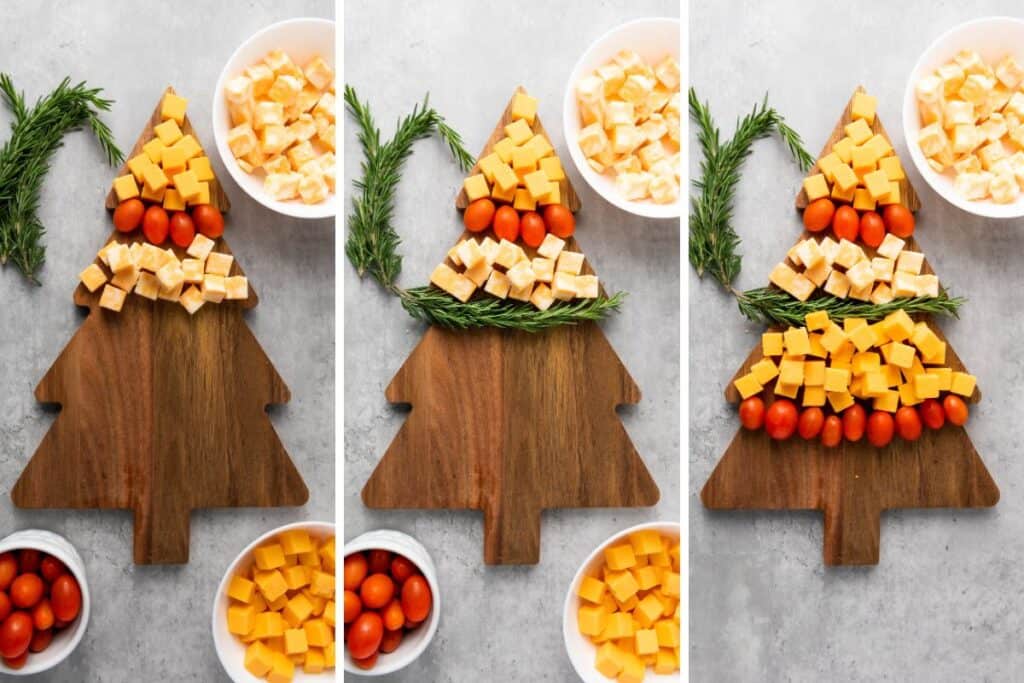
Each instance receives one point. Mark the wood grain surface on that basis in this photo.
(908, 196)
(161, 413)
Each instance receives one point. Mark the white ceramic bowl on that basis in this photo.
(582, 652)
(302, 39)
(652, 39)
(65, 642)
(230, 649)
(414, 642)
(992, 38)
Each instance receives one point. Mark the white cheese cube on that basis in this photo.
(956, 112)
(801, 287)
(904, 285)
(932, 139)
(507, 255)
(830, 249)
(325, 106)
(1015, 106)
(551, 247)
(498, 284)
(479, 273)
(973, 185)
(910, 262)
(456, 284)
(523, 294)
(618, 113)
(976, 89)
(563, 286)
(861, 275)
(200, 247)
(883, 268)
(633, 186)
(170, 276)
(542, 297)
(626, 138)
(191, 300)
(971, 62)
(147, 286)
(929, 89)
(543, 269)
(838, 285)
(667, 71)
(809, 253)
(991, 153)
(470, 253)
(313, 188)
(613, 77)
(636, 88)
(587, 287)
(966, 138)
(126, 279)
(119, 258)
(891, 246)
(994, 128)
(927, 285)
(218, 263)
(1004, 188)
(1009, 72)
(952, 77)
(171, 294)
(592, 140)
(861, 294)
(628, 164)
(590, 89)
(849, 254)
(819, 273)
(214, 289)
(570, 262)
(282, 186)
(490, 250)
(654, 128)
(237, 287)
(663, 188)
(318, 72)
(882, 294)
(967, 164)
(521, 275)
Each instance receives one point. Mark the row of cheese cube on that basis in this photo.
(629, 111)
(523, 168)
(155, 273)
(631, 611)
(283, 120)
(284, 607)
(841, 364)
(172, 168)
(504, 270)
(973, 123)
(894, 273)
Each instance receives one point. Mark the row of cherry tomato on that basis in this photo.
(158, 225)
(782, 419)
(869, 227)
(510, 225)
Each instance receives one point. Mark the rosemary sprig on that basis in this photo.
(772, 306)
(37, 133)
(372, 245)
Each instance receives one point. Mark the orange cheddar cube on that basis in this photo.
(241, 619)
(269, 557)
(267, 625)
(271, 584)
(327, 553)
(591, 589)
(259, 659)
(296, 576)
(591, 620)
(314, 663)
(295, 641)
(619, 557)
(318, 633)
(297, 610)
(646, 542)
(282, 670)
(322, 584)
(296, 541)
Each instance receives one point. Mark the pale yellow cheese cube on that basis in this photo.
(168, 132)
(476, 187)
(237, 287)
(112, 298)
(587, 287)
(241, 140)
(864, 107)
(816, 186)
(551, 246)
(173, 107)
(569, 262)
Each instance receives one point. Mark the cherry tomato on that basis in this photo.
(128, 215)
(410, 624)
(506, 223)
(29, 560)
(364, 635)
(58, 624)
(780, 420)
(416, 598)
(8, 570)
(478, 215)
(377, 591)
(208, 220)
(531, 227)
(50, 567)
(15, 635)
(353, 606)
(898, 220)
(26, 591)
(559, 221)
(355, 571)
(5, 605)
(367, 663)
(183, 231)
(818, 214)
(393, 616)
(853, 422)
(42, 615)
(872, 229)
(154, 225)
(402, 569)
(40, 641)
(379, 561)
(16, 663)
(956, 410)
(880, 428)
(65, 598)
(811, 422)
(752, 413)
(908, 423)
(391, 641)
(832, 432)
(932, 414)
(846, 223)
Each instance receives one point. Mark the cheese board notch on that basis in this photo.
(161, 413)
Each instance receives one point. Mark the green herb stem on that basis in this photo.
(772, 306)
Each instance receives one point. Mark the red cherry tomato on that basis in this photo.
(5, 605)
(8, 570)
(183, 230)
(393, 616)
(880, 429)
(16, 663)
(506, 223)
(853, 422)
(353, 606)
(752, 413)
(478, 215)
(65, 598)
(908, 423)
(364, 635)
(416, 599)
(27, 590)
(898, 220)
(208, 220)
(956, 410)
(810, 423)
(155, 225)
(818, 214)
(50, 567)
(377, 591)
(872, 229)
(932, 414)
(40, 641)
(42, 616)
(780, 419)
(531, 227)
(379, 561)
(391, 641)
(15, 635)
(846, 223)
(355, 571)
(559, 221)
(128, 215)
(29, 560)
(367, 663)
(832, 432)
(402, 569)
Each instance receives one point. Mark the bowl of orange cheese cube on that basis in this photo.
(621, 620)
(273, 617)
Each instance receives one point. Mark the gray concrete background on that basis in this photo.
(944, 603)
(153, 623)
(498, 623)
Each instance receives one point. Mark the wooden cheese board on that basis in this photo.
(512, 423)
(161, 413)
(854, 482)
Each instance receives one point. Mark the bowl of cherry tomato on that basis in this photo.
(44, 601)
(392, 603)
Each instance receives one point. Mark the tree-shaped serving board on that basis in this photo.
(854, 482)
(161, 413)
(512, 423)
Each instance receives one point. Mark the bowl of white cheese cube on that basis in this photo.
(963, 116)
(621, 117)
